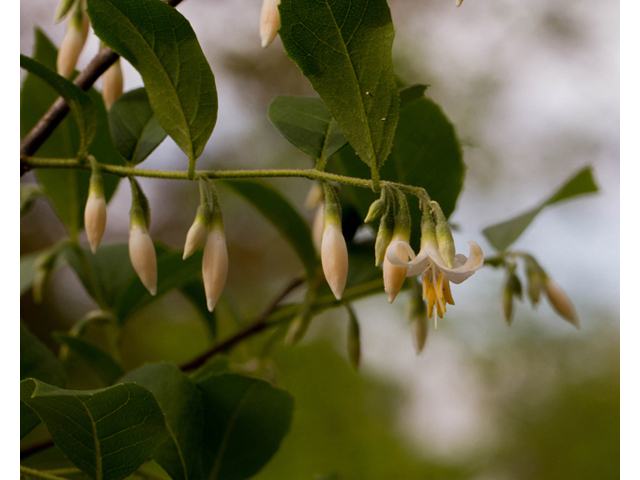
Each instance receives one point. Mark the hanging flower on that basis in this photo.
(215, 264)
(436, 274)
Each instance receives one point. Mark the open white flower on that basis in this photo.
(436, 274)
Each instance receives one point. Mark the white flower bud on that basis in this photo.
(335, 259)
(195, 236)
(143, 257)
(561, 303)
(394, 275)
(95, 218)
(112, 84)
(269, 21)
(215, 263)
(72, 45)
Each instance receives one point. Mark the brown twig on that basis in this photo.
(258, 325)
(56, 113)
(33, 449)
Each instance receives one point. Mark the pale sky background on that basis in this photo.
(533, 90)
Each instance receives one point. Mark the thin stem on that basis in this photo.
(39, 474)
(311, 174)
(56, 113)
(63, 471)
(250, 329)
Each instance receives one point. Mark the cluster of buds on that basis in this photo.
(538, 283)
(209, 228)
(74, 38)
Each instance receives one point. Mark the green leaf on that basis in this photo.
(502, 235)
(245, 421)
(135, 129)
(275, 208)
(181, 403)
(28, 271)
(426, 153)
(173, 273)
(160, 43)
(344, 49)
(28, 195)
(80, 104)
(99, 360)
(307, 123)
(106, 433)
(36, 361)
(67, 189)
(410, 93)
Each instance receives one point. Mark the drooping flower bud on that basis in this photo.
(535, 279)
(443, 234)
(112, 84)
(512, 288)
(215, 264)
(394, 275)
(141, 249)
(353, 340)
(269, 21)
(385, 232)
(378, 207)
(418, 318)
(459, 2)
(73, 42)
(198, 231)
(333, 253)
(561, 303)
(95, 211)
(143, 256)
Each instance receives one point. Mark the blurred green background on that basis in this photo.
(532, 89)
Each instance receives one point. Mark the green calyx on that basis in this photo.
(378, 207)
(385, 233)
(332, 209)
(402, 221)
(140, 215)
(443, 234)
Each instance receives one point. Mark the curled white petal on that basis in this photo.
(269, 21)
(467, 266)
(143, 257)
(215, 264)
(335, 259)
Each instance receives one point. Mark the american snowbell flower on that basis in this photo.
(215, 263)
(112, 84)
(269, 21)
(73, 42)
(95, 212)
(333, 253)
(430, 263)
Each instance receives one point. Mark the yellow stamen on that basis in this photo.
(447, 292)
